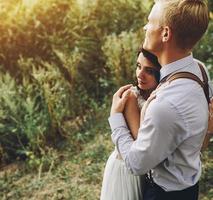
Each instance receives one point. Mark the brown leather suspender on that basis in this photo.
(203, 84)
(205, 81)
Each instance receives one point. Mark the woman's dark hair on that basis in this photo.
(154, 60)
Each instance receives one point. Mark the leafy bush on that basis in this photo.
(204, 49)
(53, 62)
(121, 56)
(24, 118)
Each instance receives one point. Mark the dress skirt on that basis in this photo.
(118, 182)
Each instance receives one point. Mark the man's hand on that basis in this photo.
(119, 99)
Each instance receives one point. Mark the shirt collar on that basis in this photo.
(175, 66)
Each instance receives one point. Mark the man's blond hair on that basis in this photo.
(188, 20)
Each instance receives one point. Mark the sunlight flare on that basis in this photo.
(29, 3)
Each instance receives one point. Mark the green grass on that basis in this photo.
(78, 177)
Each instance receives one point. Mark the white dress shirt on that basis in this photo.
(171, 135)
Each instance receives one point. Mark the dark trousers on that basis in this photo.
(153, 192)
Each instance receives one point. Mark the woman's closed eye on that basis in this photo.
(146, 69)
(149, 70)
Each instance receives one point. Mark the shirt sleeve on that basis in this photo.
(156, 137)
(121, 136)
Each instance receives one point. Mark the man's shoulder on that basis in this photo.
(161, 109)
(179, 90)
(199, 61)
(176, 96)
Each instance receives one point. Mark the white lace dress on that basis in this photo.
(118, 182)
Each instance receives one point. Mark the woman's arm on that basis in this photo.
(132, 114)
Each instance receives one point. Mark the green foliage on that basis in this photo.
(53, 55)
(62, 174)
(24, 118)
(207, 174)
(204, 49)
(210, 5)
(117, 16)
(121, 56)
(100, 19)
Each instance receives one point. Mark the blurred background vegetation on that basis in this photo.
(60, 62)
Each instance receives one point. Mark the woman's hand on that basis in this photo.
(119, 99)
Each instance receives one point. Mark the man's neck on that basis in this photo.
(170, 56)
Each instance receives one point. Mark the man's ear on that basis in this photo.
(166, 34)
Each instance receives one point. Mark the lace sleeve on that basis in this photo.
(140, 99)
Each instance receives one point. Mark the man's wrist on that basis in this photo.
(117, 120)
(114, 111)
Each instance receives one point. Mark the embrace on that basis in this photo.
(159, 126)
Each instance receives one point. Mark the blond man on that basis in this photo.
(175, 122)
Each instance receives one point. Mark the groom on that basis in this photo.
(171, 134)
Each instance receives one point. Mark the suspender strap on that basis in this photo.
(185, 75)
(203, 84)
(205, 81)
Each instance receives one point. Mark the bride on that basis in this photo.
(118, 182)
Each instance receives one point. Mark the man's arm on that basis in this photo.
(156, 138)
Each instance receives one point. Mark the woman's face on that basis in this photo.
(145, 73)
